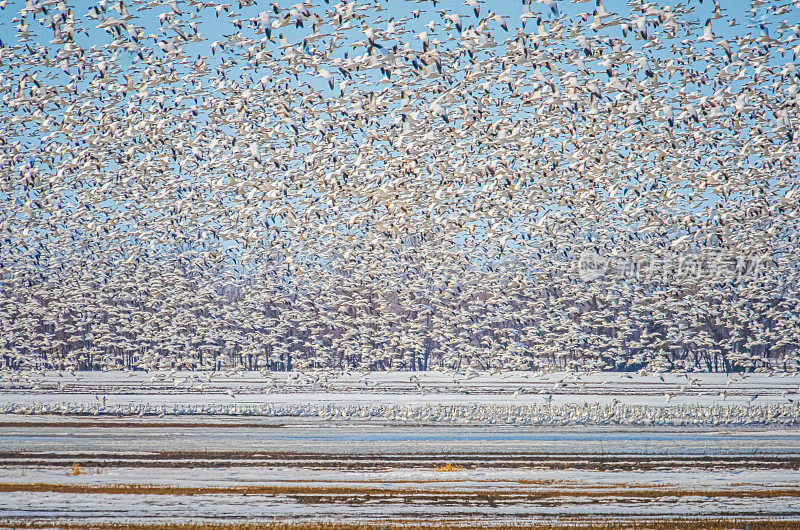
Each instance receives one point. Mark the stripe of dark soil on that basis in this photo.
(587, 466)
(355, 494)
(174, 459)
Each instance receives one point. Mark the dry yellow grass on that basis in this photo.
(448, 467)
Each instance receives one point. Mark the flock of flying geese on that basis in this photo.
(386, 185)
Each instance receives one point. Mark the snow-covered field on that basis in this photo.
(424, 447)
(420, 398)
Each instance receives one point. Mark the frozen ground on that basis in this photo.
(225, 469)
(367, 447)
(99, 435)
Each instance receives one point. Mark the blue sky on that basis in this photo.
(215, 29)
